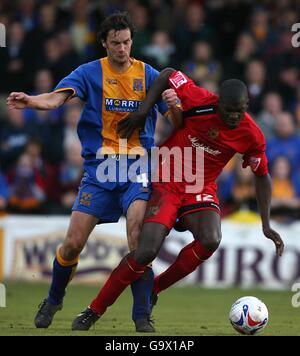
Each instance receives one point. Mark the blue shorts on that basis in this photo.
(108, 202)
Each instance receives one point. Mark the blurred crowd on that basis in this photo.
(40, 162)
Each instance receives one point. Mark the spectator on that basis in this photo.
(26, 14)
(236, 188)
(82, 29)
(243, 190)
(295, 108)
(70, 175)
(286, 141)
(4, 192)
(15, 59)
(69, 56)
(48, 124)
(163, 8)
(43, 82)
(260, 28)
(203, 67)
(34, 151)
(141, 19)
(228, 18)
(13, 138)
(53, 58)
(194, 28)
(71, 118)
(26, 187)
(286, 190)
(289, 81)
(256, 83)
(159, 53)
(47, 39)
(245, 50)
(45, 29)
(272, 106)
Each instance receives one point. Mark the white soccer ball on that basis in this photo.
(249, 315)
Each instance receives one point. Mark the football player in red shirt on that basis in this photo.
(218, 127)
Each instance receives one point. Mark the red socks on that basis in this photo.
(189, 258)
(127, 272)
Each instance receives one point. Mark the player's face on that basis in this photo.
(232, 114)
(118, 46)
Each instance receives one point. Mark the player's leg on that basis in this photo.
(134, 222)
(131, 268)
(205, 226)
(64, 265)
(162, 206)
(67, 256)
(89, 209)
(142, 287)
(159, 218)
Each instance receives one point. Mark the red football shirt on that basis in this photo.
(204, 130)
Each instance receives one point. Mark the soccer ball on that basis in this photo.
(249, 315)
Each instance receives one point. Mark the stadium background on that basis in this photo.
(40, 162)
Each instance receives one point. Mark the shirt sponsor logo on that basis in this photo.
(138, 84)
(121, 105)
(196, 144)
(178, 80)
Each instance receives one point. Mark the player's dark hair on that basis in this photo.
(117, 21)
(232, 91)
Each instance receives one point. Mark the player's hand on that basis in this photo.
(275, 237)
(132, 122)
(170, 97)
(17, 100)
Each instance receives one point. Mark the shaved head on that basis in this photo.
(233, 91)
(233, 102)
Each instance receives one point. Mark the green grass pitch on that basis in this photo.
(180, 311)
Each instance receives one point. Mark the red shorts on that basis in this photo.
(167, 203)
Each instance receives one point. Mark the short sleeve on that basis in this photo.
(256, 158)
(75, 81)
(188, 92)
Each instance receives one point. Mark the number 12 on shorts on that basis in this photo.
(205, 197)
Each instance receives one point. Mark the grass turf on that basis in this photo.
(179, 312)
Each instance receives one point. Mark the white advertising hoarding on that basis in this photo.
(245, 257)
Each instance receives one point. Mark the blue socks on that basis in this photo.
(62, 275)
(141, 288)
(141, 291)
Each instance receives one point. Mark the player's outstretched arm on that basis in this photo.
(263, 189)
(137, 119)
(47, 101)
